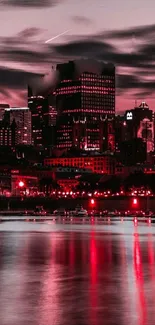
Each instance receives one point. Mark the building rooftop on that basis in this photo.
(16, 108)
(143, 105)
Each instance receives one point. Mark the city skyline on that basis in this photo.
(114, 32)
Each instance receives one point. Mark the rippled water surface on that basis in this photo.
(77, 274)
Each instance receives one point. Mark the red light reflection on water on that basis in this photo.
(51, 283)
(151, 259)
(84, 253)
(151, 254)
(72, 251)
(93, 279)
(139, 280)
(123, 255)
(93, 259)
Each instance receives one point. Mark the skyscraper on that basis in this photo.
(7, 133)
(140, 124)
(2, 110)
(22, 118)
(85, 96)
(39, 110)
(43, 115)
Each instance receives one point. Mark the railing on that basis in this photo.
(81, 220)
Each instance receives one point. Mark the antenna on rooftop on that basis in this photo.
(135, 102)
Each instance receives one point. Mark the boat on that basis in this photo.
(148, 213)
(59, 212)
(80, 212)
(39, 211)
(114, 213)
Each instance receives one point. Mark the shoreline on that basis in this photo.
(76, 220)
(122, 203)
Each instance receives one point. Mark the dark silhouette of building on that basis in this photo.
(39, 108)
(121, 132)
(2, 110)
(43, 114)
(133, 152)
(22, 118)
(107, 134)
(8, 134)
(85, 96)
(140, 124)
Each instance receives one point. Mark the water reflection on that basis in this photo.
(139, 278)
(77, 278)
(93, 279)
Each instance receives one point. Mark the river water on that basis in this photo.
(56, 274)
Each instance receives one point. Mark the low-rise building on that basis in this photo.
(100, 164)
(23, 184)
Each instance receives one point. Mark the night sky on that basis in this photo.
(118, 31)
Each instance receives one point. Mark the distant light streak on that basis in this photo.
(53, 38)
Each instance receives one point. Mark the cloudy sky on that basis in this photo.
(118, 31)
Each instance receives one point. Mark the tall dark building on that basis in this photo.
(121, 132)
(22, 118)
(107, 134)
(140, 124)
(2, 111)
(36, 105)
(43, 118)
(8, 133)
(39, 112)
(85, 96)
(133, 152)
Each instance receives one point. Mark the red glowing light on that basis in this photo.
(135, 201)
(21, 184)
(92, 201)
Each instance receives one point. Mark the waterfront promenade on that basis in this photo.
(50, 204)
(79, 220)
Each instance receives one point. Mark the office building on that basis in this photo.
(85, 96)
(43, 118)
(107, 134)
(21, 116)
(121, 132)
(100, 164)
(2, 110)
(52, 109)
(139, 123)
(39, 110)
(7, 134)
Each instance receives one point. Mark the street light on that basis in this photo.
(135, 202)
(92, 201)
(21, 184)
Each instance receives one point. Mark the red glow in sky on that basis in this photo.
(126, 42)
